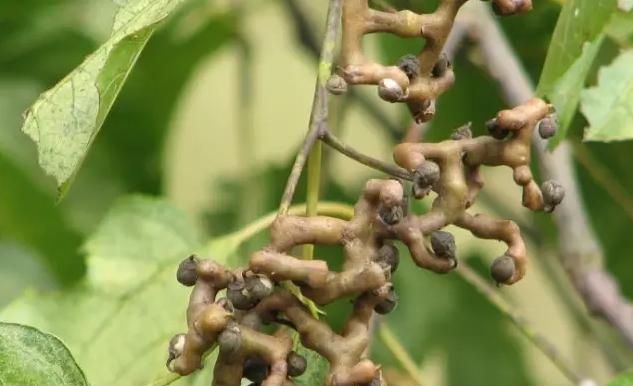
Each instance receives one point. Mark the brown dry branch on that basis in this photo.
(417, 79)
(255, 295)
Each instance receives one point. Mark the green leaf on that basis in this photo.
(118, 323)
(623, 380)
(29, 357)
(566, 92)
(317, 369)
(608, 105)
(573, 48)
(65, 120)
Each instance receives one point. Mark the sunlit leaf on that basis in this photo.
(573, 48)
(117, 323)
(608, 106)
(65, 120)
(29, 357)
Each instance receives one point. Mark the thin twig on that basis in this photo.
(581, 254)
(389, 339)
(542, 343)
(364, 159)
(318, 116)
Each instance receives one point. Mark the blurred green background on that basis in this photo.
(210, 120)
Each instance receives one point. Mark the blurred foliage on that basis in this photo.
(30, 357)
(121, 302)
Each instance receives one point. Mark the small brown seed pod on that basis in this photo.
(388, 257)
(258, 286)
(388, 304)
(553, 194)
(443, 244)
(440, 67)
(410, 65)
(187, 271)
(424, 177)
(495, 131)
(336, 85)
(502, 269)
(462, 132)
(391, 215)
(390, 90)
(547, 126)
(176, 345)
(255, 369)
(230, 340)
(297, 364)
(238, 295)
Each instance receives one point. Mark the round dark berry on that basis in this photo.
(187, 273)
(388, 257)
(502, 269)
(255, 369)
(441, 66)
(391, 215)
(427, 174)
(297, 364)
(388, 304)
(547, 126)
(443, 244)
(230, 340)
(258, 287)
(495, 131)
(553, 194)
(410, 65)
(236, 292)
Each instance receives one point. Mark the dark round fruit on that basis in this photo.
(441, 66)
(238, 295)
(427, 174)
(297, 364)
(553, 194)
(187, 273)
(388, 304)
(502, 269)
(495, 131)
(391, 215)
(230, 340)
(547, 126)
(258, 287)
(410, 65)
(255, 369)
(388, 257)
(443, 244)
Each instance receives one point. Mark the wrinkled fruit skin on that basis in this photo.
(410, 65)
(187, 273)
(390, 90)
(391, 215)
(336, 85)
(495, 131)
(502, 269)
(388, 257)
(441, 66)
(297, 364)
(424, 177)
(553, 194)
(230, 339)
(443, 244)
(388, 304)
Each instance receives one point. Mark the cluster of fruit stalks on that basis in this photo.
(254, 296)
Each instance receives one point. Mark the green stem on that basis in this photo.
(313, 186)
(319, 113)
(389, 339)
